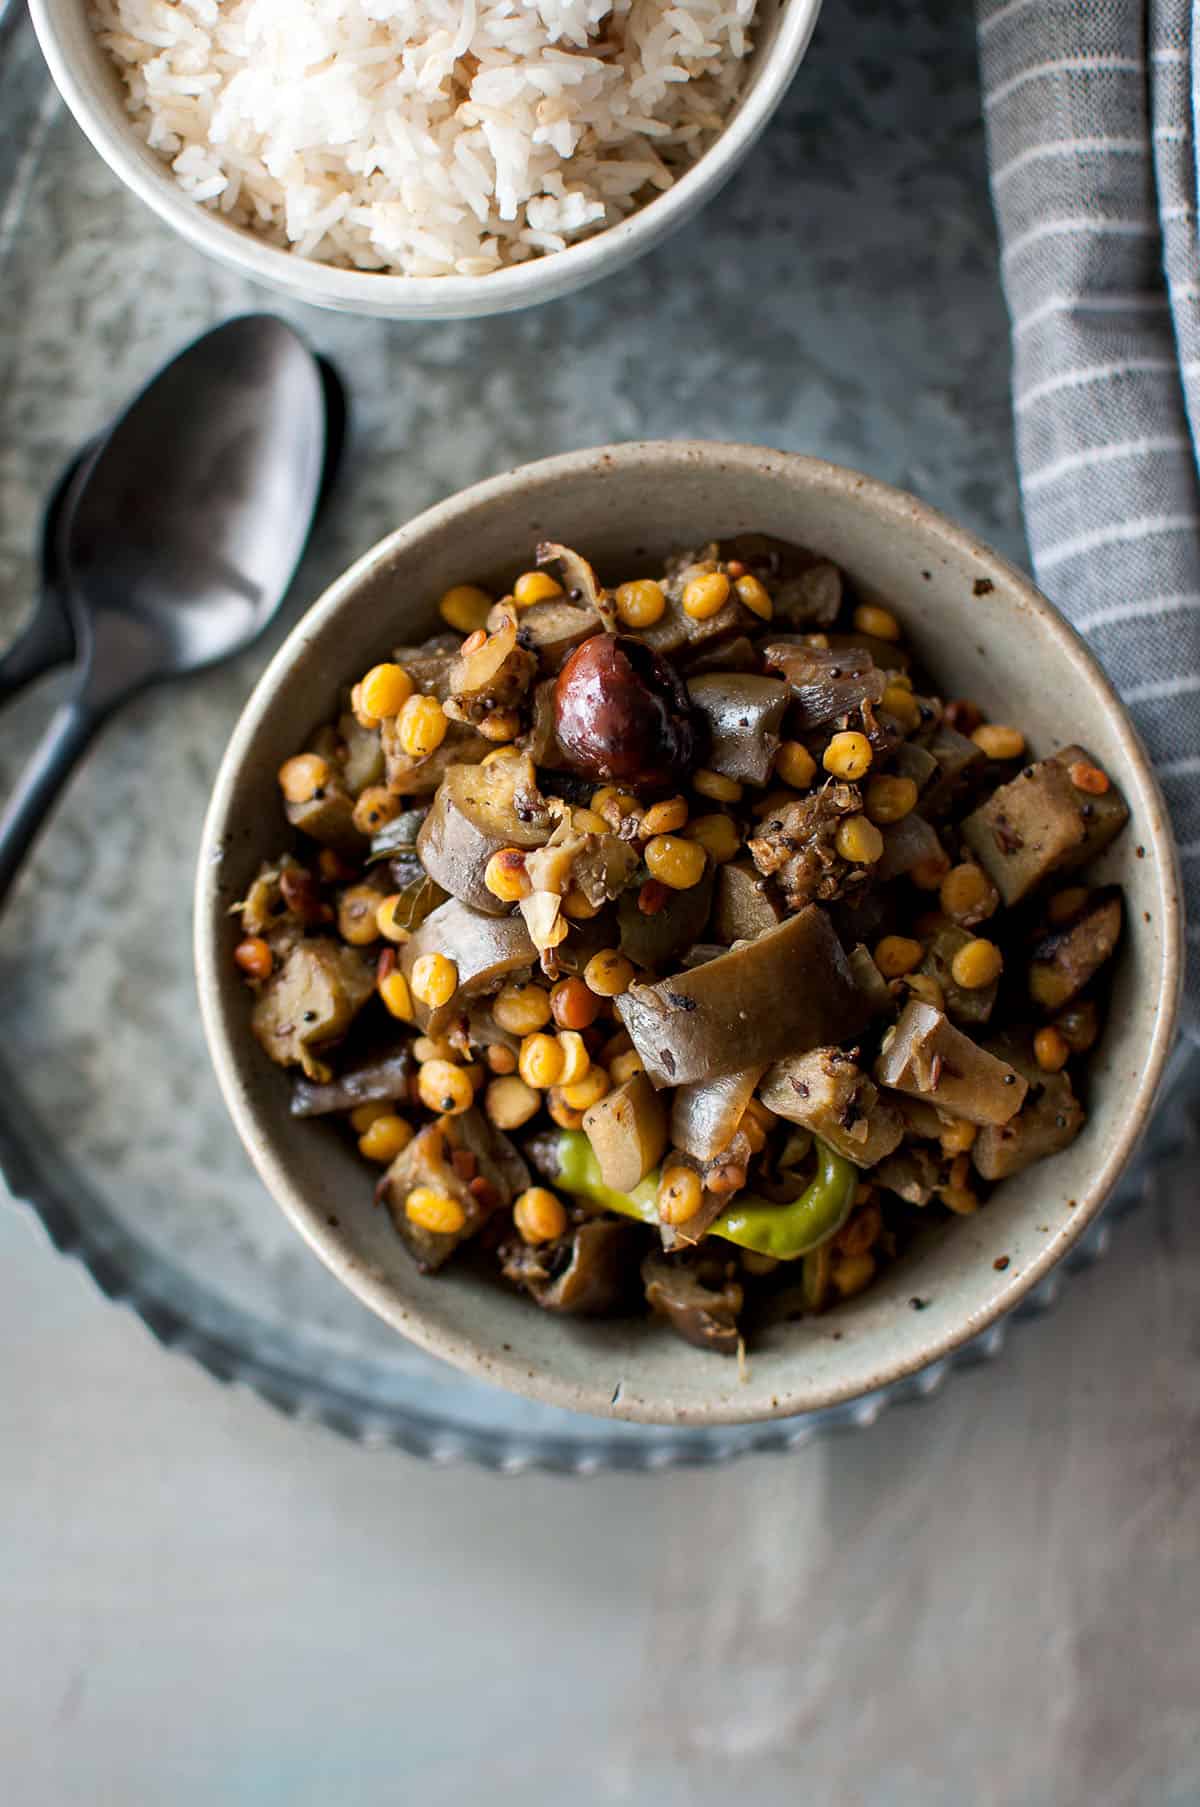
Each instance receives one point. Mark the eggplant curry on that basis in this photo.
(676, 947)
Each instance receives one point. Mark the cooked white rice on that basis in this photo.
(429, 137)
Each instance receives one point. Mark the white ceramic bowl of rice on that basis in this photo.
(423, 158)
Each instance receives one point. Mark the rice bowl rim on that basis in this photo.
(88, 83)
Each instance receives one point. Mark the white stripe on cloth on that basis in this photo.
(1120, 533)
(1147, 608)
(1146, 301)
(1069, 147)
(1091, 224)
(1081, 379)
(1089, 456)
(1062, 65)
(1162, 688)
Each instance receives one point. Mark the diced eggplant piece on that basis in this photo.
(409, 777)
(1067, 957)
(477, 811)
(581, 583)
(382, 1079)
(742, 904)
(806, 590)
(429, 665)
(871, 982)
(310, 1001)
(706, 1113)
(1048, 1121)
(737, 654)
(628, 1132)
(962, 1004)
(826, 683)
(485, 949)
(916, 762)
(656, 941)
(919, 1120)
(703, 1315)
(464, 1158)
(826, 1092)
(889, 655)
(1103, 816)
(542, 738)
(789, 990)
(743, 715)
(552, 630)
(907, 843)
(956, 759)
(913, 1174)
(1040, 824)
(586, 1273)
(925, 1055)
(328, 819)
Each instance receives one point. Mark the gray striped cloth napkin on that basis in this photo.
(1089, 107)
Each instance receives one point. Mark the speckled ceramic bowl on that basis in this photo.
(91, 88)
(987, 633)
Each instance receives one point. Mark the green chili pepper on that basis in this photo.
(784, 1231)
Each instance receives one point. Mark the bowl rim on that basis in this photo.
(424, 297)
(226, 1041)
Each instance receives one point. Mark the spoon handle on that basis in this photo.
(45, 643)
(52, 762)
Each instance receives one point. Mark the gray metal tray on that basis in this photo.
(110, 1123)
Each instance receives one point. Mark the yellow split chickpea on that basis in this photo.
(858, 840)
(608, 973)
(393, 989)
(433, 980)
(539, 1215)
(640, 603)
(374, 809)
(718, 836)
(1051, 1050)
(890, 799)
(433, 1047)
(848, 755)
(421, 726)
(674, 862)
(509, 1102)
(302, 777)
(705, 595)
(795, 765)
(385, 1138)
(880, 623)
(898, 700)
(385, 690)
(680, 1195)
(664, 818)
(999, 742)
(587, 1091)
(896, 955)
(967, 894)
(356, 915)
(434, 1211)
(576, 1059)
(614, 806)
(624, 1066)
(753, 593)
(541, 1061)
(521, 1009)
(560, 1111)
(445, 1088)
(385, 920)
(465, 608)
(716, 786)
(505, 875)
(535, 586)
(976, 964)
(958, 1137)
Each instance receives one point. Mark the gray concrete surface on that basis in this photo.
(987, 1600)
